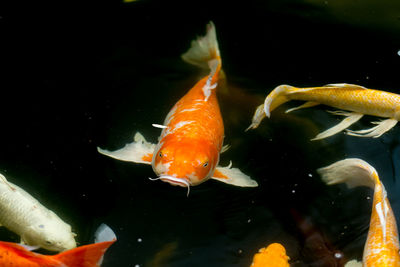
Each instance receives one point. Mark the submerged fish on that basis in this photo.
(34, 223)
(357, 99)
(382, 246)
(14, 255)
(188, 150)
(273, 255)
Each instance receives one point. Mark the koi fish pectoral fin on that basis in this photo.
(351, 117)
(308, 104)
(376, 131)
(233, 176)
(139, 151)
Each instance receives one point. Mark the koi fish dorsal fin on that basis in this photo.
(139, 151)
(352, 171)
(204, 50)
(344, 85)
(89, 255)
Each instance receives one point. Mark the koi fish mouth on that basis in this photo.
(174, 181)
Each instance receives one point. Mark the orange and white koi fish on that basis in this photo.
(15, 255)
(382, 246)
(354, 98)
(273, 255)
(188, 150)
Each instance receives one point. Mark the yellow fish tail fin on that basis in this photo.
(352, 171)
(204, 51)
(277, 97)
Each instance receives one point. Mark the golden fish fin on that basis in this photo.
(204, 49)
(351, 117)
(258, 116)
(345, 85)
(233, 176)
(308, 104)
(376, 131)
(352, 171)
(353, 263)
(139, 151)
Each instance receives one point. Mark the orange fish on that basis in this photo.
(274, 255)
(15, 255)
(357, 99)
(382, 246)
(191, 140)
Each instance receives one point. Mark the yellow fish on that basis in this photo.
(354, 98)
(382, 246)
(273, 255)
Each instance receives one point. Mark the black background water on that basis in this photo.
(85, 74)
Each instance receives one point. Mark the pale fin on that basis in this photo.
(140, 151)
(258, 116)
(104, 233)
(353, 263)
(277, 97)
(352, 171)
(225, 148)
(308, 104)
(351, 118)
(204, 49)
(345, 85)
(233, 176)
(5, 181)
(375, 131)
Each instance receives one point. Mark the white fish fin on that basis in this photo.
(308, 104)
(233, 176)
(352, 171)
(258, 116)
(204, 49)
(345, 85)
(376, 131)
(346, 122)
(159, 126)
(139, 151)
(104, 233)
(4, 180)
(225, 148)
(353, 263)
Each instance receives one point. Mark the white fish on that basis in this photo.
(34, 223)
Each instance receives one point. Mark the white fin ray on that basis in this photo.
(225, 148)
(155, 125)
(235, 177)
(344, 85)
(133, 152)
(376, 131)
(104, 233)
(351, 118)
(308, 104)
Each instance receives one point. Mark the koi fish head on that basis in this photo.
(51, 233)
(184, 163)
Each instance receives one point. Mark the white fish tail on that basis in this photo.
(104, 233)
(204, 50)
(352, 171)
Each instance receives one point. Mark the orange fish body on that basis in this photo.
(274, 255)
(354, 98)
(188, 150)
(382, 246)
(14, 255)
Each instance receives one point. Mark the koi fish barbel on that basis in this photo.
(190, 144)
(358, 100)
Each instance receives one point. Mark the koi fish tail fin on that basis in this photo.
(204, 52)
(352, 171)
(277, 97)
(88, 255)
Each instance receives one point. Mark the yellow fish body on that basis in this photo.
(382, 246)
(354, 98)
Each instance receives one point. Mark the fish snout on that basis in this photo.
(175, 181)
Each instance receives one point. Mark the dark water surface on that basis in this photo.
(86, 74)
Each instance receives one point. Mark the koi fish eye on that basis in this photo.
(160, 154)
(49, 242)
(205, 164)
